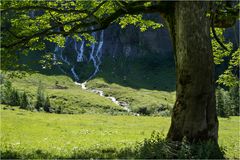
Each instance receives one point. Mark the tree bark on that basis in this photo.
(194, 113)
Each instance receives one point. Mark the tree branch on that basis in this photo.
(103, 22)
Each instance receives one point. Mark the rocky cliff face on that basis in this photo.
(79, 59)
(83, 62)
(130, 42)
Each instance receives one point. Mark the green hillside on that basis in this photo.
(146, 83)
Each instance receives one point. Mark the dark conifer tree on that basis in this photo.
(40, 97)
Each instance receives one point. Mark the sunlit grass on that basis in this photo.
(75, 100)
(24, 132)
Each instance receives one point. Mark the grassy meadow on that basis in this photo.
(26, 134)
(92, 126)
(72, 99)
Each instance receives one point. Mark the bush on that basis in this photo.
(143, 110)
(59, 110)
(42, 103)
(15, 98)
(157, 147)
(220, 103)
(161, 110)
(24, 101)
(227, 102)
(12, 97)
(47, 105)
(9, 95)
(40, 97)
(2, 79)
(234, 98)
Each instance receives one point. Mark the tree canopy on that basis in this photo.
(29, 25)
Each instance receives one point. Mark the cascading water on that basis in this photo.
(124, 105)
(96, 58)
(74, 73)
(58, 54)
(80, 54)
(59, 51)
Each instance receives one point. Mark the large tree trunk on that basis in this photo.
(194, 113)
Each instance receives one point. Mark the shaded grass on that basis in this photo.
(27, 134)
(150, 72)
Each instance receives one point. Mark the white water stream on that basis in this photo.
(95, 57)
(101, 93)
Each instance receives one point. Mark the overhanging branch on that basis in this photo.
(97, 23)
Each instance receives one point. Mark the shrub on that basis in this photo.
(47, 105)
(9, 95)
(234, 97)
(42, 103)
(24, 101)
(143, 110)
(157, 147)
(6, 92)
(227, 102)
(40, 97)
(221, 110)
(163, 110)
(59, 110)
(2, 79)
(14, 97)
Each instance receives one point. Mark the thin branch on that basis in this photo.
(214, 33)
(42, 8)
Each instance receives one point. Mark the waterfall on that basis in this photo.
(96, 58)
(74, 73)
(54, 59)
(59, 51)
(80, 53)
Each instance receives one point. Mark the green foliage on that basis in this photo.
(161, 110)
(40, 101)
(9, 95)
(24, 101)
(13, 97)
(2, 79)
(138, 21)
(28, 25)
(227, 102)
(220, 103)
(47, 105)
(220, 53)
(229, 77)
(157, 147)
(234, 98)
